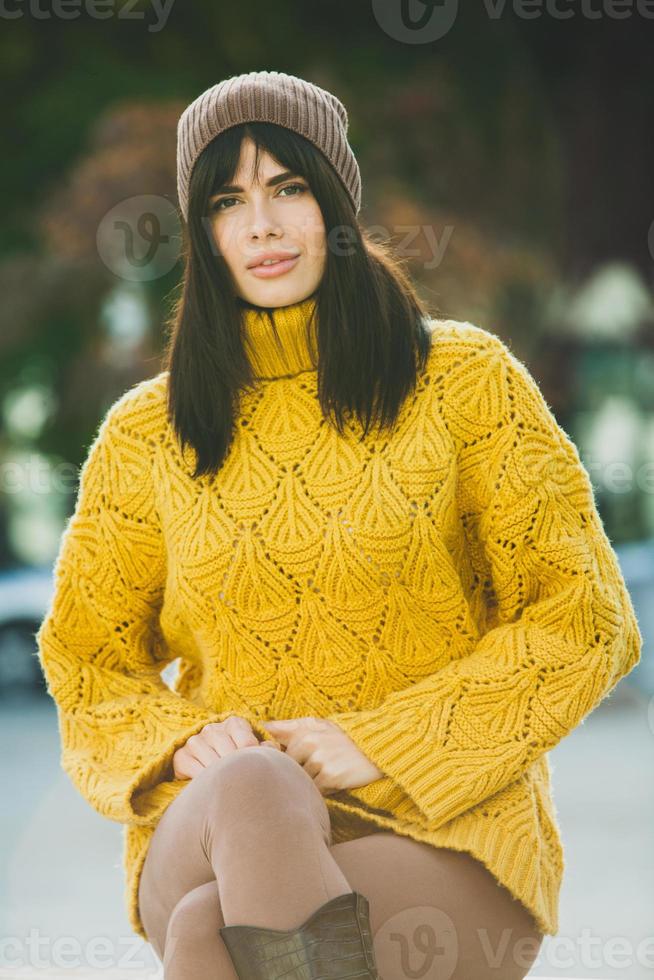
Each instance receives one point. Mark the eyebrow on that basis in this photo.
(235, 189)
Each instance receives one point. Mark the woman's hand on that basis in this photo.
(216, 740)
(324, 750)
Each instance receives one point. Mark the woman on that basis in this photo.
(381, 631)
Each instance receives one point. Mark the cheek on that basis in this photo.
(312, 229)
(215, 231)
(226, 237)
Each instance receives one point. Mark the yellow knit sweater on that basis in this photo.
(447, 594)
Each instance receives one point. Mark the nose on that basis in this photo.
(263, 222)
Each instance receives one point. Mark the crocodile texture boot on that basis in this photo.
(334, 942)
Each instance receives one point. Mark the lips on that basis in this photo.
(274, 269)
(276, 256)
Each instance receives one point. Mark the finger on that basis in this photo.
(189, 767)
(298, 749)
(281, 725)
(222, 739)
(321, 783)
(311, 767)
(202, 748)
(272, 741)
(240, 730)
(282, 738)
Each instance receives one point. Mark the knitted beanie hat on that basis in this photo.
(267, 96)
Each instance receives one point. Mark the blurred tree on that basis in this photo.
(504, 161)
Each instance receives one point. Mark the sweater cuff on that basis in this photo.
(381, 794)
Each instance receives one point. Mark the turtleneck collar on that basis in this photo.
(288, 352)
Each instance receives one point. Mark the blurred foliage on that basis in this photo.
(480, 144)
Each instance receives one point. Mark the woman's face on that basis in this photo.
(253, 217)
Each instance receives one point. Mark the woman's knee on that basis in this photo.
(252, 782)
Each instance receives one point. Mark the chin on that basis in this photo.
(280, 296)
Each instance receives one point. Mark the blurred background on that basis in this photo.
(507, 151)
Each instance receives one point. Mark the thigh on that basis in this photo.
(437, 913)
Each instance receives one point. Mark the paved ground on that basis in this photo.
(61, 878)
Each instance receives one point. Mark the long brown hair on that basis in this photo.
(372, 333)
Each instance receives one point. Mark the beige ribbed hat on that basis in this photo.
(267, 96)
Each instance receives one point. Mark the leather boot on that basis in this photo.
(334, 942)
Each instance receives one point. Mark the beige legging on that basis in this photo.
(248, 842)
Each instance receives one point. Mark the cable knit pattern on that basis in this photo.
(446, 593)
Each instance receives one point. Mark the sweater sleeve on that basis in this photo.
(563, 628)
(99, 644)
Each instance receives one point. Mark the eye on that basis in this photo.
(300, 187)
(218, 205)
